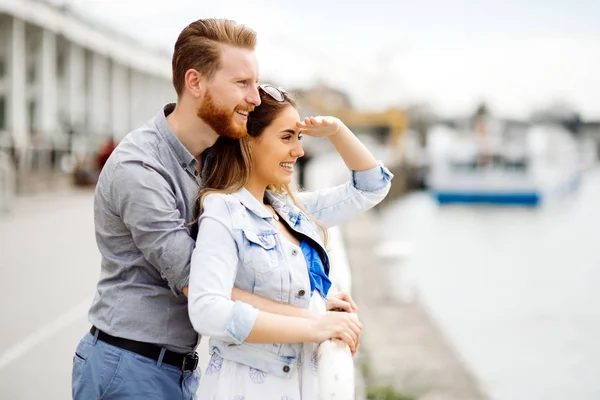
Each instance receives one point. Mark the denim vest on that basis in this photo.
(239, 246)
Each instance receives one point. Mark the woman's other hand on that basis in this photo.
(340, 301)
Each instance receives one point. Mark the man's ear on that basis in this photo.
(194, 82)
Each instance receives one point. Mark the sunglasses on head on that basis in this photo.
(276, 93)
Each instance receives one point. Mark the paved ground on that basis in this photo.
(401, 345)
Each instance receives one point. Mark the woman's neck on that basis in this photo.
(256, 189)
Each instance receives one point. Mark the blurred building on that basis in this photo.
(321, 100)
(385, 126)
(62, 76)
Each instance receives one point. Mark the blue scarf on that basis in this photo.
(316, 271)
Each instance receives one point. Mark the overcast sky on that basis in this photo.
(515, 55)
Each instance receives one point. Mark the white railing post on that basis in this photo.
(336, 365)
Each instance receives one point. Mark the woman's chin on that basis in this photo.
(282, 180)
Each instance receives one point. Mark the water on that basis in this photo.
(516, 290)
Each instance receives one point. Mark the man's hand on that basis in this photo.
(340, 301)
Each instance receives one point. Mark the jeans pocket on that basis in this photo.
(79, 365)
(190, 385)
(82, 350)
(112, 365)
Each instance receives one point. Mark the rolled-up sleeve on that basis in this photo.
(372, 180)
(147, 205)
(334, 205)
(212, 275)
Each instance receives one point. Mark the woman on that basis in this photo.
(256, 235)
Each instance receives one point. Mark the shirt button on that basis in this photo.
(196, 173)
(294, 252)
(286, 369)
(301, 292)
(183, 165)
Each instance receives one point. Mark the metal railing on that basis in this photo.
(7, 182)
(32, 166)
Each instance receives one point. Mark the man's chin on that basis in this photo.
(235, 131)
(234, 134)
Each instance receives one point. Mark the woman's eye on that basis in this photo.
(300, 136)
(287, 137)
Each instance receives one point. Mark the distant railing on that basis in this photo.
(42, 157)
(36, 164)
(7, 182)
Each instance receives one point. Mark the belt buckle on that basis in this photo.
(190, 358)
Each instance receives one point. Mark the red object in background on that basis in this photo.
(104, 152)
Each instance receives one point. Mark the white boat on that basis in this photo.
(525, 168)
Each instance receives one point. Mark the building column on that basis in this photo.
(120, 101)
(137, 98)
(99, 110)
(76, 88)
(48, 93)
(17, 105)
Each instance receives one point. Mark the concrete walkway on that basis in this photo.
(401, 345)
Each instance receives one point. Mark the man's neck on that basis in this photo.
(191, 131)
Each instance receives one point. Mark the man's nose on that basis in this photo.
(253, 96)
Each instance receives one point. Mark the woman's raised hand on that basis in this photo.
(319, 126)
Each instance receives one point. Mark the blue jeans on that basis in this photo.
(104, 371)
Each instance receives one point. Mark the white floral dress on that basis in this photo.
(229, 380)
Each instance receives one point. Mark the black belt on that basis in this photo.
(186, 362)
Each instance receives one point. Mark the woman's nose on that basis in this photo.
(298, 151)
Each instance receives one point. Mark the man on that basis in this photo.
(141, 344)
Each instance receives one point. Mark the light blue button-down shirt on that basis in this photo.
(239, 246)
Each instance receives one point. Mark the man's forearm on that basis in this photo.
(270, 306)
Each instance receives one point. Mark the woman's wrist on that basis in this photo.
(311, 315)
(313, 329)
(340, 128)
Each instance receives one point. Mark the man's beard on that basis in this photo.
(220, 119)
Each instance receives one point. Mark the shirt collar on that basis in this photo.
(283, 208)
(251, 203)
(185, 158)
